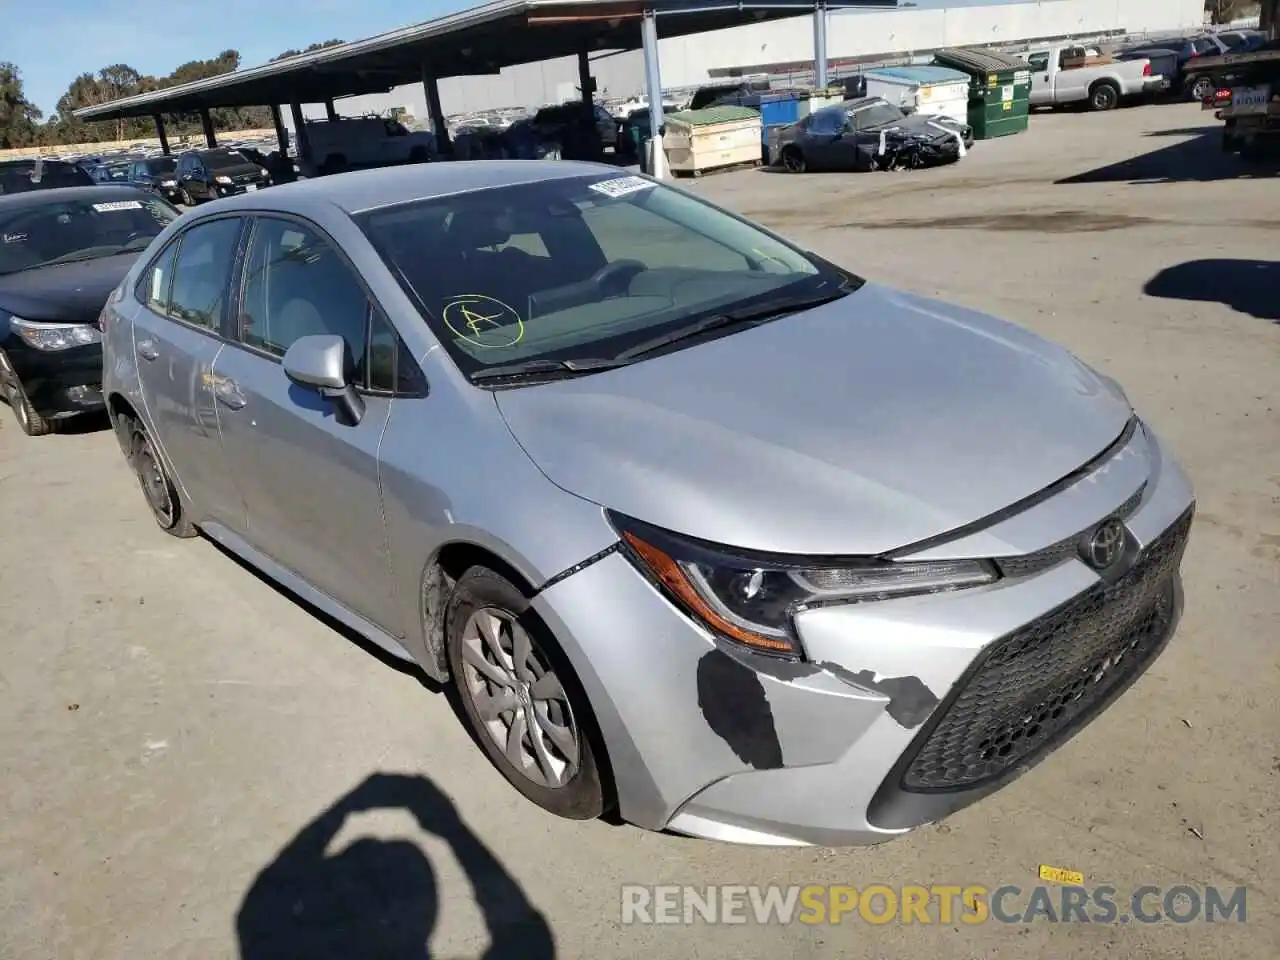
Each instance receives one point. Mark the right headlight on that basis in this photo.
(751, 599)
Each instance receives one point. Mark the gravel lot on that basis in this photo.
(170, 723)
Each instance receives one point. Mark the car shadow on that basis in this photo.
(379, 898)
(1249, 286)
(1198, 159)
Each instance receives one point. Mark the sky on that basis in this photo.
(87, 35)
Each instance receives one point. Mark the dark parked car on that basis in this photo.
(1243, 41)
(210, 174)
(868, 134)
(20, 176)
(1186, 49)
(116, 172)
(568, 125)
(157, 174)
(63, 252)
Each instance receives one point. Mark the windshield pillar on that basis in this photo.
(206, 121)
(653, 87)
(164, 141)
(820, 45)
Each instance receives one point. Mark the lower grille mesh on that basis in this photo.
(1035, 683)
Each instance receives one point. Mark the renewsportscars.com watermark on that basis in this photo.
(936, 904)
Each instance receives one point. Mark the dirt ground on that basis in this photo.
(171, 725)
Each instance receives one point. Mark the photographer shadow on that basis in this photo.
(378, 899)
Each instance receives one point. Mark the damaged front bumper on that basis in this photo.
(902, 711)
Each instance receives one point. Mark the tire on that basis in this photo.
(1199, 88)
(563, 776)
(157, 486)
(186, 198)
(793, 160)
(1104, 95)
(419, 155)
(31, 423)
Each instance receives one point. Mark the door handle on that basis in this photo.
(229, 394)
(147, 350)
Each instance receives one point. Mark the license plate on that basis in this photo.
(251, 187)
(1251, 96)
(1006, 93)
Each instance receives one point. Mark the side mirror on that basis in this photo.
(322, 363)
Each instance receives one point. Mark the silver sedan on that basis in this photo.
(702, 527)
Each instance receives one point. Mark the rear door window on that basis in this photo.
(202, 273)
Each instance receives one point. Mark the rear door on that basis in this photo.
(310, 483)
(177, 337)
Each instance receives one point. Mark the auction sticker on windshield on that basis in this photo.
(621, 186)
(117, 205)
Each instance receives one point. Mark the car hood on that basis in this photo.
(864, 425)
(66, 292)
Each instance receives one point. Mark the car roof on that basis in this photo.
(363, 190)
(37, 198)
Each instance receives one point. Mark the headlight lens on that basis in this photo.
(221, 179)
(752, 600)
(55, 336)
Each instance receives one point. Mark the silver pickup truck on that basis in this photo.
(1064, 73)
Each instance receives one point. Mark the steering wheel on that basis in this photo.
(614, 277)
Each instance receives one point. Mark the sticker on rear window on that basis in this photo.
(117, 205)
(621, 186)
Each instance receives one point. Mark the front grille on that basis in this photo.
(1037, 684)
(1050, 556)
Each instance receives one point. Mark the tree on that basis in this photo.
(18, 115)
(1225, 11)
(310, 48)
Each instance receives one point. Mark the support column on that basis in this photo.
(164, 141)
(820, 44)
(653, 87)
(206, 121)
(301, 142)
(329, 112)
(282, 135)
(432, 88)
(586, 83)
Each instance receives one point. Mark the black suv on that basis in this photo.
(157, 174)
(19, 176)
(210, 174)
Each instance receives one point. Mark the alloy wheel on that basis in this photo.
(520, 701)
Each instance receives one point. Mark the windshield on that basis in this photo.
(580, 268)
(67, 230)
(222, 159)
(875, 115)
(161, 166)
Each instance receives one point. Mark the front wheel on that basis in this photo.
(521, 699)
(157, 487)
(186, 198)
(793, 160)
(32, 424)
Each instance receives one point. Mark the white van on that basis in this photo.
(352, 142)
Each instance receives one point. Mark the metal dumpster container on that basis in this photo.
(700, 140)
(999, 90)
(933, 90)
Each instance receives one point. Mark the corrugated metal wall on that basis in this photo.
(688, 61)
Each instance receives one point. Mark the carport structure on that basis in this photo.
(476, 42)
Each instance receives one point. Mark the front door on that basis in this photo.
(1041, 82)
(183, 296)
(310, 483)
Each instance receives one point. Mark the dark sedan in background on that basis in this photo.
(210, 174)
(868, 134)
(157, 174)
(62, 253)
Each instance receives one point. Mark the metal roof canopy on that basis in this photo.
(476, 42)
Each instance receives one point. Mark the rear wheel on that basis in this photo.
(157, 487)
(32, 424)
(520, 697)
(1199, 88)
(1104, 95)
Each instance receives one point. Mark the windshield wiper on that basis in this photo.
(756, 313)
(544, 368)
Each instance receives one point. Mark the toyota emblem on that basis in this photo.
(1106, 546)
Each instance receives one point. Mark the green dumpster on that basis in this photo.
(999, 90)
